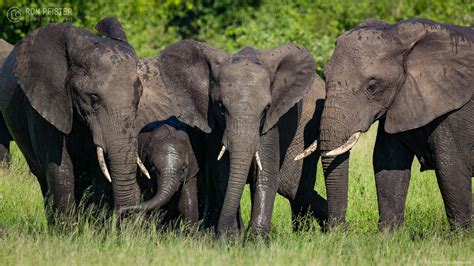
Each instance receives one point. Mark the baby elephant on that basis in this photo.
(166, 151)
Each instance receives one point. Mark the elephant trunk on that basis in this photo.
(118, 139)
(165, 191)
(335, 126)
(122, 155)
(336, 180)
(242, 149)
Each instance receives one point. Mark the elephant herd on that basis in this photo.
(183, 132)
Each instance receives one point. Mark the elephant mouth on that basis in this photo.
(308, 151)
(344, 147)
(257, 157)
(105, 170)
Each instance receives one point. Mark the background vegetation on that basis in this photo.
(232, 25)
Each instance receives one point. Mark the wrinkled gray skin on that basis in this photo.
(295, 179)
(5, 137)
(417, 78)
(65, 91)
(168, 154)
(239, 99)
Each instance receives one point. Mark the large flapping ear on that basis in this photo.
(293, 70)
(439, 67)
(187, 68)
(41, 70)
(111, 28)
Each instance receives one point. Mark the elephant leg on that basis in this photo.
(265, 185)
(5, 139)
(188, 201)
(50, 148)
(392, 162)
(454, 179)
(456, 190)
(307, 200)
(60, 177)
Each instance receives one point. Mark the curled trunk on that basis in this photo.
(165, 191)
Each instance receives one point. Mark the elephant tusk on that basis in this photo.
(221, 153)
(257, 158)
(143, 168)
(307, 152)
(346, 146)
(102, 164)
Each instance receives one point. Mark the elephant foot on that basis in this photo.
(461, 226)
(336, 225)
(257, 237)
(390, 226)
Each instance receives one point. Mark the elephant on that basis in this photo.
(416, 77)
(5, 137)
(69, 99)
(251, 106)
(166, 149)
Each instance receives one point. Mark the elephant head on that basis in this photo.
(244, 94)
(166, 151)
(72, 76)
(408, 73)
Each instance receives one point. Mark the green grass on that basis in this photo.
(425, 238)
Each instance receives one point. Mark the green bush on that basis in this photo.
(232, 25)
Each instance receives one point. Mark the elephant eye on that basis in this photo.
(372, 86)
(95, 101)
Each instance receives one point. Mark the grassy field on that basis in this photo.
(425, 239)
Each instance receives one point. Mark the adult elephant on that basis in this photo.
(5, 137)
(239, 99)
(417, 78)
(68, 98)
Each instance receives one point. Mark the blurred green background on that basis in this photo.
(232, 25)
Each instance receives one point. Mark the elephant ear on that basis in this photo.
(111, 28)
(186, 69)
(439, 67)
(41, 70)
(293, 71)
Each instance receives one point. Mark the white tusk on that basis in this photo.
(102, 164)
(257, 158)
(143, 168)
(221, 153)
(307, 152)
(346, 146)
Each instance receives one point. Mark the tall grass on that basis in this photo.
(425, 238)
